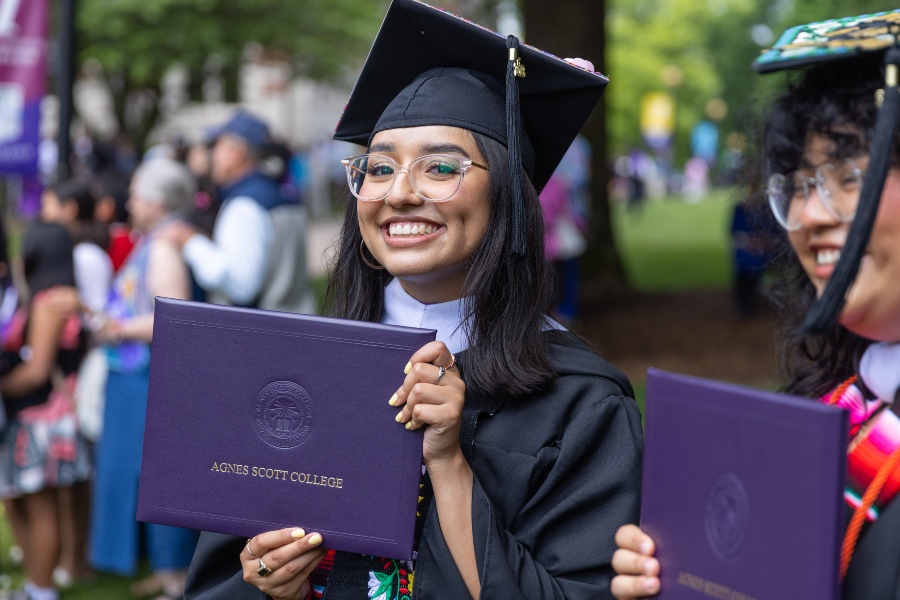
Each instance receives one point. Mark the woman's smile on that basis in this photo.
(403, 232)
(826, 257)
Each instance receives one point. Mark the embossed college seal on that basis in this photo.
(727, 515)
(283, 414)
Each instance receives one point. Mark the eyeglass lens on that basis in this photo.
(838, 188)
(432, 177)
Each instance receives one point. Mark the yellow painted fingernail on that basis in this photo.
(407, 368)
(315, 539)
(399, 417)
(392, 400)
(409, 424)
(297, 534)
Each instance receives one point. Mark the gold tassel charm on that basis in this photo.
(518, 68)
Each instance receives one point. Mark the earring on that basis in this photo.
(362, 245)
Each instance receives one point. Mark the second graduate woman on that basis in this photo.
(825, 137)
(532, 442)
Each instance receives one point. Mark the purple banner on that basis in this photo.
(23, 68)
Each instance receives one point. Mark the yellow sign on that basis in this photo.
(657, 115)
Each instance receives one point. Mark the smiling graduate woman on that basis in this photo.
(532, 443)
(831, 152)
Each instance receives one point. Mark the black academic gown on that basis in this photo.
(556, 473)
(874, 572)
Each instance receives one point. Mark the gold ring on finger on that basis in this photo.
(263, 569)
(452, 363)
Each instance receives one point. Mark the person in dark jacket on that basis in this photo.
(532, 443)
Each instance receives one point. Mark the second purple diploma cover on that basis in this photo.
(742, 491)
(259, 420)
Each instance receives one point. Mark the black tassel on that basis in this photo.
(824, 313)
(514, 146)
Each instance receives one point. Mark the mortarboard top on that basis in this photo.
(845, 39)
(555, 97)
(835, 39)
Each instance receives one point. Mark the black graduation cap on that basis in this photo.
(430, 67)
(842, 39)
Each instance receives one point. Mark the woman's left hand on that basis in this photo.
(435, 400)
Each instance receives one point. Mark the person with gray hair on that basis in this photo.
(161, 192)
(165, 181)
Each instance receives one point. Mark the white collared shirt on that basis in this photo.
(879, 370)
(446, 317)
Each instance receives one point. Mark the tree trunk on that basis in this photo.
(576, 28)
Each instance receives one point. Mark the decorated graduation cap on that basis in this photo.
(429, 67)
(843, 39)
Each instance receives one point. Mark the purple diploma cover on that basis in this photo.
(260, 420)
(743, 491)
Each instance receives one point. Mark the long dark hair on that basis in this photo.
(835, 101)
(507, 298)
(47, 257)
(84, 228)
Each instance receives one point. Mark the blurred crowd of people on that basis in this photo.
(217, 221)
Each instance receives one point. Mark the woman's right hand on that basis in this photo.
(637, 572)
(291, 556)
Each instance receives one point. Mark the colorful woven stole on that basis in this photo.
(874, 436)
(873, 458)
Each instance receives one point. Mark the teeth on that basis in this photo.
(410, 229)
(827, 257)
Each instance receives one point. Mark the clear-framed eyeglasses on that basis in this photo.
(433, 177)
(838, 186)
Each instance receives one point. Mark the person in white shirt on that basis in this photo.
(244, 253)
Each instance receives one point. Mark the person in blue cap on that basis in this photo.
(830, 173)
(256, 256)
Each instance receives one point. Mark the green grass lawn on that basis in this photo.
(101, 586)
(674, 245)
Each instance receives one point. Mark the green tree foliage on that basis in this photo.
(711, 43)
(136, 41)
(806, 11)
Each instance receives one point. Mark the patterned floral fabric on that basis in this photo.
(130, 297)
(393, 582)
(41, 447)
(388, 579)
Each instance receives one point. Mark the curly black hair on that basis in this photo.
(836, 101)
